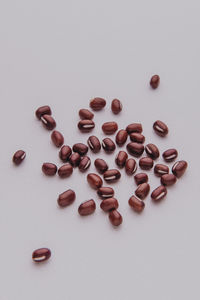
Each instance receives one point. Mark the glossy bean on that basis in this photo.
(97, 103)
(49, 169)
(160, 170)
(130, 166)
(168, 179)
(109, 204)
(48, 122)
(84, 163)
(66, 198)
(86, 125)
(115, 218)
(75, 159)
(65, 170)
(94, 144)
(57, 138)
(121, 137)
(43, 110)
(87, 208)
(18, 157)
(121, 159)
(105, 192)
(159, 193)
(135, 149)
(152, 151)
(141, 178)
(101, 165)
(170, 155)
(116, 106)
(179, 168)
(146, 163)
(112, 175)
(94, 180)
(160, 128)
(108, 145)
(142, 190)
(134, 127)
(137, 204)
(155, 81)
(81, 148)
(65, 153)
(86, 114)
(41, 255)
(137, 137)
(109, 127)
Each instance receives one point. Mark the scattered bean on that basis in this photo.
(87, 208)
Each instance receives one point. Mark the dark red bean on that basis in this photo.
(94, 180)
(160, 170)
(97, 103)
(121, 137)
(134, 127)
(86, 125)
(112, 175)
(101, 165)
(75, 159)
(135, 149)
(41, 255)
(142, 190)
(160, 128)
(137, 137)
(66, 198)
(84, 164)
(179, 168)
(168, 179)
(152, 151)
(57, 138)
(109, 127)
(159, 193)
(109, 204)
(94, 144)
(141, 178)
(49, 169)
(87, 208)
(116, 106)
(137, 204)
(65, 171)
(43, 110)
(65, 153)
(18, 157)
(130, 166)
(170, 155)
(105, 192)
(146, 163)
(154, 82)
(115, 218)
(121, 159)
(108, 145)
(86, 114)
(48, 122)
(82, 149)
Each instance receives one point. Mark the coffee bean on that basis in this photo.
(109, 204)
(65, 171)
(135, 149)
(18, 157)
(134, 127)
(121, 137)
(154, 82)
(115, 218)
(121, 159)
(97, 103)
(84, 164)
(109, 127)
(141, 178)
(137, 137)
(43, 110)
(65, 153)
(108, 145)
(82, 149)
(142, 190)
(86, 125)
(160, 128)
(66, 198)
(112, 175)
(130, 166)
(41, 255)
(87, 208)
(86, 114)
(105, 192)
(116, 106)
(75, 159)
(94, 181)
(94, 144)
(57, 138)
(48, 122)
(168, 179)
(159, 193)
(49, 169)
(160, 170)
(152, 151)
(101, 165)
(137, 204)
(146, 163)
(170, 155)
(179, 168)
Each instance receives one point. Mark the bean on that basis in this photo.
(137, 137)
(116, 106)
(86, 114)
(121, 159)
(135, 149)
(49, 169)
(82, 149)
(97, 103)
(75, 159)
(112, 175)
(141, 178)
(84, 164)
(86, 125)
(137, 204)
(160, 128)
(130, 166)
(160, 170)
(115, 218)
(152, 151)
(57, 138)
(65, 171)
(94, 144)
(121, 137)
(105, 192)
(87, 208)
(109, 127)
(146, 163)
(170, 155)
(101, 165)
(48, 122)
(154, 82)
(179, 168)
(65, 153)
(159, 193)
(134, 127)
(168, 179)
(142, 190)
(94, 180)
(43, 110)
(66, 198)
(109, 204)
(41, 255)
(18, 157)
(108, 145)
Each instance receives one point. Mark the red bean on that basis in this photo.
(115, 218)
(18, 157)
(87, 208)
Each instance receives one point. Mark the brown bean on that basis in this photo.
(65, 171)
(109, 127)
(112, 175)
(65, 153)
(108, 145)
(41, 255)
(154, 82)
(137, 137)
(81, 148)
(43, 110)
(116, 106)
(84, 163)
(105, 192)
(18, 157)
(134, 127)
(86, 114)
(152, 151)
(160, 170)
(48, 122)
(168, 179)
(66, 198)
(146, 163)
(57, 138)
(87, 208)
(179, 168)
(97, 103)
(159, 193)
(121, 137)
(121, 159)
(130, 166)
(115, 218)
(109, 204)
(101, 165)
(49, 169)
(86, 125)
(170, 155)
(75, 159)
(135, 149)
(160, 128)
(141, 178)
(94, 144)
(142, 190)
(94, 180)
(137, 204)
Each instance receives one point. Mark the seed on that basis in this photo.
(115, 218)
(134, 127)
(142, 190)
(94, 144)
(97, 103)
(94, 180)
(137, 204)
(87, 208)
(48, 122)
(152, 151)
(168, 179)
(66, 198)
(43, 110)
(105, 192)
(86, 125)
(18, 157)
(57, 138)
(49, 169)
(75, 159)
(141, 178)
(170, 155)
(130, 166)
(121, 159)
(112, 175)
(137, 137)
(84, 164)
(160, 170)
(146, 163)
(116, 106)
(65, 170)
(159, 193)
(154, 82)
(86, 114)
(109, 204)
(108, 145)
(65, 153)
(41, 255)
(82, 149)
(109, 127)
(160, 128)
(121, 137)
(179, 168)
(101, 165)
(135, 149)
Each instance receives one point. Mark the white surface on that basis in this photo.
(63, 53)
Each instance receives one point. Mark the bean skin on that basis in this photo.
(159, 193)
(115, 218)
(141, 178)
(101, 165)
(116, 106)
(65, 153)
(105, 192)
(142, 190)
(49, 169)
(87, 208)
(57, 138)
(160, 128)
(43, 110)
(109, 204)
(94, 181)
(86, 114)
(135, 149)
(94, 144)
(146, 163)
(137, 137)
(168, 179)
(108, 145)
(121, 137)
(84, 163)
(48, 122)
(97, 103)
(170, 155)
(152, 151)
(41, 255)
(179, 168)
(134, 127)
(112, 175)
(130, 166)
(109, 127)
(137, 204)
(86, 125)
(18, 157)
(65, 171)
(81, 148)
(160, 170)
(66, 198)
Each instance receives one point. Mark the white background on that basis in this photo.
(63, 53)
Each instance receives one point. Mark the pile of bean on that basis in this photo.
(76, 157)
